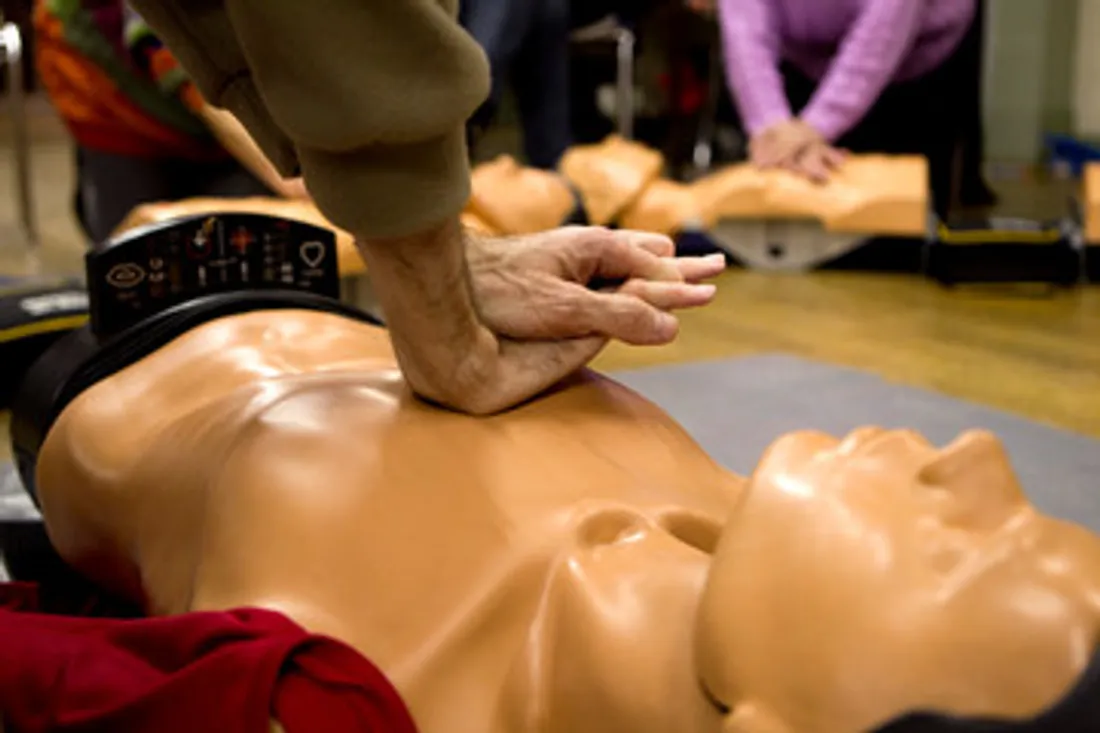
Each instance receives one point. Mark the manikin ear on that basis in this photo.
(976, 474)
(750, 717)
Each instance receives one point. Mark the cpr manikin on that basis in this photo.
(617, 182)
(577, 564)
(1090, 202)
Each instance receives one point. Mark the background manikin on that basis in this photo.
(618, 181)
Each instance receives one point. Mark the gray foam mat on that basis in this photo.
(736, 407)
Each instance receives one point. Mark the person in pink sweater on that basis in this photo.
(812, 78)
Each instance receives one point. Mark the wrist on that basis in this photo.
(825, 127)
(422, 284)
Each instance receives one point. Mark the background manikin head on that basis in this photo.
(863, 579)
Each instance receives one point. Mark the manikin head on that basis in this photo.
(861, 580)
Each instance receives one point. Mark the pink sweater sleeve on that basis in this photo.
(865, 64)
(750, 39)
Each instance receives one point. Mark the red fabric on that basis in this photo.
(219, 671)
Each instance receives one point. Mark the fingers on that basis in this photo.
(694, 269)
(812, 165)
(656, 244)
(771, 155)
(629, 265)
(818, 162)
(834, 157)
(617, 258)
(765, 151)
(670, 296)
(630, 318)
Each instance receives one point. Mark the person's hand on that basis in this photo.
(549, 302)
(576, 282)
(780, 145)
(480, 325)
(818, 161)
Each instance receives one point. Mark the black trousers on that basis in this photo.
(527, 42)
(110, 185)
(921, 117)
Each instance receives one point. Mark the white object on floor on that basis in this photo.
(782, 245)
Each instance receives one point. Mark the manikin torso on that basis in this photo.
(559, 567)
(447, 550)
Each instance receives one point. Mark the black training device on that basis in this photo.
(156, 267)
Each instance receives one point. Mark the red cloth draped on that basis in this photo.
(231, 671)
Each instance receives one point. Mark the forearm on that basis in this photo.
(750, 41)
(232, 135)
(867, 61)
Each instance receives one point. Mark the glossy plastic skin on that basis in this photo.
(610, 175)
(514, 199)
(1090, 204)
(618, 182)
(868, 194)
(577, 564)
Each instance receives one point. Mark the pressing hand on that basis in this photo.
(482, 324)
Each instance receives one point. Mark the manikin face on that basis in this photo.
(864, 579)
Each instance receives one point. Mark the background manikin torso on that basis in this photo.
(535, 571)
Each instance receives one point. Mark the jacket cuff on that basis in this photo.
(390, 190)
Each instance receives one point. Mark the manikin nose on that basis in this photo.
(694, 530)
(613, 525)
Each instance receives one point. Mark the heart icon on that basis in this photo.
(312, 253)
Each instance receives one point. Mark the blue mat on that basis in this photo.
(736, 407)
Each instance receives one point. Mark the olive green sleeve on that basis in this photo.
(366, 98)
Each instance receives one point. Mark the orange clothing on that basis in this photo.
(116, 87)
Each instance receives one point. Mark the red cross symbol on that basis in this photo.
(241, 239)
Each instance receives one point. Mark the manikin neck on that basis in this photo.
(601, 669)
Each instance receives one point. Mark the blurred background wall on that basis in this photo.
(1031, 66)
